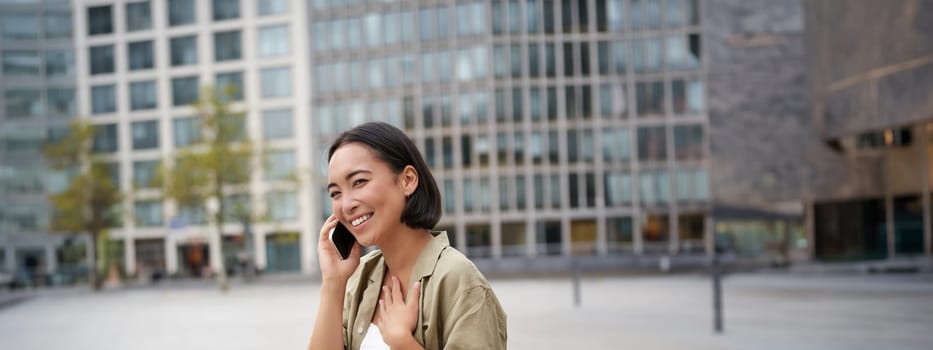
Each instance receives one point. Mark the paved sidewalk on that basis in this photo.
(763, 311)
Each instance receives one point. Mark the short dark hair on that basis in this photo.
(391, 145)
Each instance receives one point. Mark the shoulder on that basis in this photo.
(456, 270)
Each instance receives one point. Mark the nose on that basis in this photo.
(348, 205)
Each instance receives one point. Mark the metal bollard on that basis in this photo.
(717, 293)
(575, 267)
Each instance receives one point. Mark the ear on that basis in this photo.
(408, 180)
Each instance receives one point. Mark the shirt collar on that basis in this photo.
(427, 259)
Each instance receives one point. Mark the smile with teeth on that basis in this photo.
(361, 219)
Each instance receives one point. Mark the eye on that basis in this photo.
(359, 182)
(334, 194)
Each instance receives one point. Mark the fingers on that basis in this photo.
(413, 296)
(387, 295)
(329, 225)
(397, 291)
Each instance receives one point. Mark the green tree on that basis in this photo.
(215, 166)
(87, 204)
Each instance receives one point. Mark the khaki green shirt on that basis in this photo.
(457, 310)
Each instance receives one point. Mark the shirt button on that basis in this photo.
(359, 330)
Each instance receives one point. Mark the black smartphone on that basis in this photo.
(342, 240)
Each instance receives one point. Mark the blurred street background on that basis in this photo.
(762, 311)
(162, 164)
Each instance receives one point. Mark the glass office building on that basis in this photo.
(554, 128)
(37, 99)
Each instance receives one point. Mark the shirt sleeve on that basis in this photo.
(475, 321)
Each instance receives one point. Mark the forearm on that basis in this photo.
(328, 326)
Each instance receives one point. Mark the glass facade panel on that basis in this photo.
(144, 173)
(103, 99)
(99, 20)
(148, 213)
(276, 82)
(227, 46)
(282, 206)
(272, 7)
(184, 50)
(229, 86)
(225, 9)
(184, 90)
(19, 26)
(138, 16)
(181, 12)
(652, 144)
(274, 41)
(101, 59)
(145, 134)
(186, 131)
(59, 63)
(277, 124)
(688, 142)
(140, 55)
(280, 165)
(23, 103)
(143, 95)
(21, 64)
(61, 102)
(57, 25)
(105, 138)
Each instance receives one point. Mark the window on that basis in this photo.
(276, 82)
(145, 134)
(227, 46)
(374, 29)
(225, 9)
(61, 101)
(687, 96)
(19, 26)
(103, 99)
(652, 143)
(180, 12)
(273, 41)
(688, 142)
(23, 103)
(272, 7)
(105, 138)
(184, 91)
(99, 20)
(683, 52)
(138, 16)
(280, 164)
(57, 25)
(649, 98)
(433, 23)
(21, 64)
(148, 213)
(140, 55)
(646, 55)
(229, 86)
(282, 205)
(277, 124)
(186, 131)
(616, 144)
(143, 95)
(144, 173)
(101, 59)
(184, 50)
(618, 189)
(654, 187)
(59, 63)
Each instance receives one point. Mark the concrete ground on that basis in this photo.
(762, 311)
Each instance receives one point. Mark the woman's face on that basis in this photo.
(366, 195)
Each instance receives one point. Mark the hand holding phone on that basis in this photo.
(342, 240)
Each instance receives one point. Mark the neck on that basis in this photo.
(402, 251)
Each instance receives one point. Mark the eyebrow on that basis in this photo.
(350, 175)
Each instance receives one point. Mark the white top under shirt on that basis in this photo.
(373, 339)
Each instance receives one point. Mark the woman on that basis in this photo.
(416, 291)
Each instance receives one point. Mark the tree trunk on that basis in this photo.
(93, 279)
(221, 272)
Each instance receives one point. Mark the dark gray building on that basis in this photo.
(870, 73)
